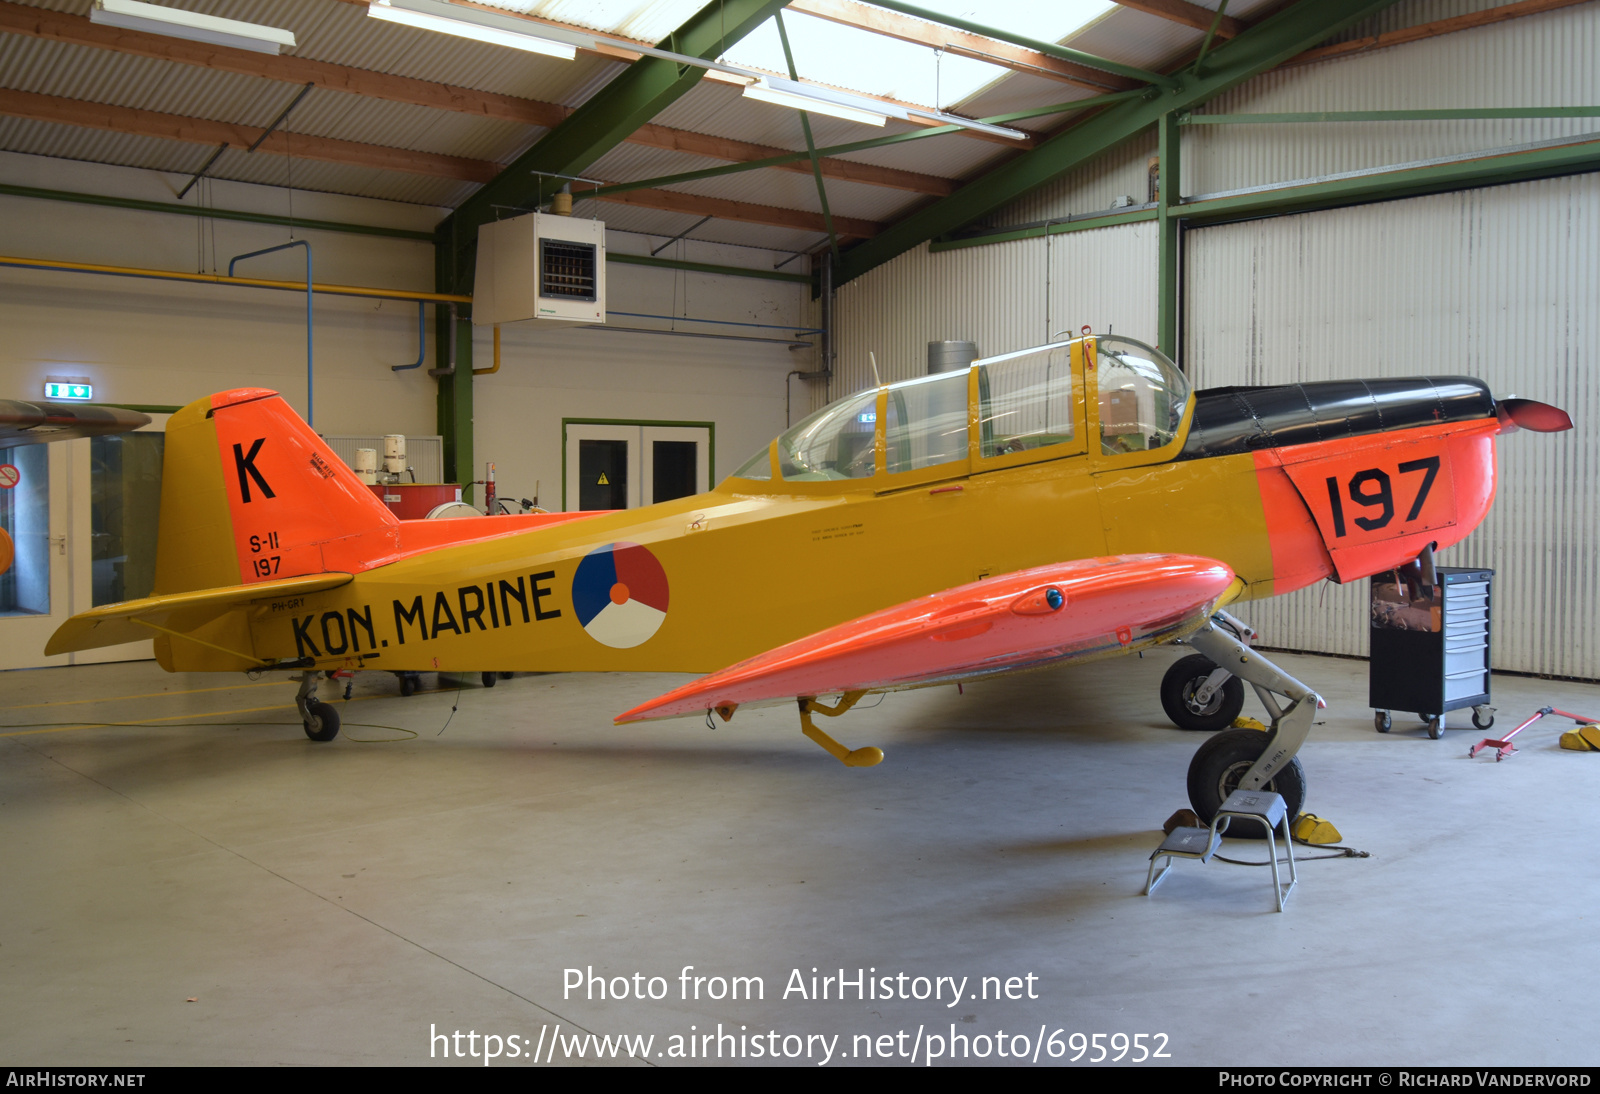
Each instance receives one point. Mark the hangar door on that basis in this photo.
(1501, 283)
(623, 465)
(82, 515)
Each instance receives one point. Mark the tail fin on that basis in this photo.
(250, 493)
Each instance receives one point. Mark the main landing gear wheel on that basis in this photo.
(408, 683)
(1184, 679)
(490, 679)
(1220, 764)
(1382, 721)
(322, 723)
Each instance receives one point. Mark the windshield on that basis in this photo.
(833, 443)
(1142, 396)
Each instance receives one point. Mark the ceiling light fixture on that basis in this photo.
(821, 100)
(480, 26)
(154, 19)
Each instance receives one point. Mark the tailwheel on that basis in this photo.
(322, 722)
(1220, 765)
(490, 679)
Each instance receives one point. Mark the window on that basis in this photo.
(1025, 400)
(927, 422)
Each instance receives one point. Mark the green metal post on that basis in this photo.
(455, 400)
(1169, 229)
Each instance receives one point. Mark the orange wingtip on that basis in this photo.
(1009, 622)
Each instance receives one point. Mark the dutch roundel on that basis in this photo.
(620, 595)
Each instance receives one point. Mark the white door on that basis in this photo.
(116, 499)
(35, 592)
(82, 516)
(623, 465)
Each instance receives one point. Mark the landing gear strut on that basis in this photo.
(320, 719)
(1247, 759)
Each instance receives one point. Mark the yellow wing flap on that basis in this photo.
(133, 620)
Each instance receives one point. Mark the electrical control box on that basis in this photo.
(540, 268)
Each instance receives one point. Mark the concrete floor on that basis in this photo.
(233, 893)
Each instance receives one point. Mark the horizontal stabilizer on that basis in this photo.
(133, 620)
(1063, 611)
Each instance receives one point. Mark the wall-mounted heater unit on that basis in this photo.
(541, 267)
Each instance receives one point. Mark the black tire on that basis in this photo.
(1482, 724)
(1382, 721)
(1222, 761)
(1436, 727)
(408, 684)
(1180, 683)
(324, 723)
(490, 679)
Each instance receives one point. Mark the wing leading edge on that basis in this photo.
(1064, 611)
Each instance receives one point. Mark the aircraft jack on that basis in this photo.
(320, 719)
(1242, 759)
(858, 757)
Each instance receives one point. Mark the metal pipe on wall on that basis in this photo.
(422, 339)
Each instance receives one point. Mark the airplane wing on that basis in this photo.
(133, 620)
(34, 423)
(1065, 611)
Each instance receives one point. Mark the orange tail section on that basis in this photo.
(253, 495)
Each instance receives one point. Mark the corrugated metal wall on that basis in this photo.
(1500, 283)
(994, 296)
(1537, 60)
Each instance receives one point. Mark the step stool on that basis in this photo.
(1259, 806)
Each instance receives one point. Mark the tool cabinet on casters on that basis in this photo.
(1430, 646)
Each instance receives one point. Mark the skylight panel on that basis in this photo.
(848, 57)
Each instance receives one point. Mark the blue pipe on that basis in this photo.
(310, 369)
(422, 339)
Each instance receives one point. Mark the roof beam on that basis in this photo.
(151, 123)
(608, 118)
(675, 201)
(1433, 30)
(962, 43)
(77, 30)
(1190, 15)
(176, 127)
(1264, 46)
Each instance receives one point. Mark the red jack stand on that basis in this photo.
(1503, 747)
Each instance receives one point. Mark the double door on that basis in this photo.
(623, 465)
(82, 518)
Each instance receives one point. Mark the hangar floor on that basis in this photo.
(233, 893)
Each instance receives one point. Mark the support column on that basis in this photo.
(1169, 229)
(453, 339)
(455, 401)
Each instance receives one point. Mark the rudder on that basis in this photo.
(250, 494)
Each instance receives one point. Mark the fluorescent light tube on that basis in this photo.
(154, 19)
(480, 26)
(821, 100)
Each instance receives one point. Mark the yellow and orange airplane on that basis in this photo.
(1068, 502)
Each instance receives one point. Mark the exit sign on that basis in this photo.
(80, 392)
